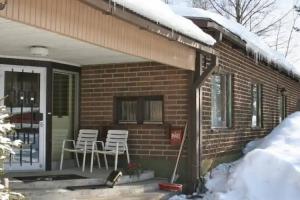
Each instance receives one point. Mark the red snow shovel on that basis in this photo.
(173, 187)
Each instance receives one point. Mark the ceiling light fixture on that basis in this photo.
(39, 51)
(3, 4)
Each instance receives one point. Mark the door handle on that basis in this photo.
(41, 124)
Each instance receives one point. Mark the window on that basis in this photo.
(128, 111)
(256, 93)
(153, 110)
(22, 85)
(61, 94)
(139, 110)
(298, 105)
(282, 107)
(221, 109)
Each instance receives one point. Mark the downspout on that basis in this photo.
(198, 78)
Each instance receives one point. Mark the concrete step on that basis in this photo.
(61, 184)
(156, 195)
(147, 190)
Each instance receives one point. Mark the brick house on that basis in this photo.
(76, 64)
(245, 97)
(109, 66)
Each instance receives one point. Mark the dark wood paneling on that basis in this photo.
(49, 118)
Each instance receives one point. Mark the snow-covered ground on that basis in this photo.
(270, 170)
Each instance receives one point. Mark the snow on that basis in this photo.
(252, 145)
(253, 42)
(270, 171)
(161, 13)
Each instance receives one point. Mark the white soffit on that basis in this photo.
(16, 40)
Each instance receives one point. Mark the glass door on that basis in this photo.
(64, 113)
(25, 88)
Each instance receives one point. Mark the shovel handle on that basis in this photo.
(179, 154)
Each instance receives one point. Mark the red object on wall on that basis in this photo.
(176, 136)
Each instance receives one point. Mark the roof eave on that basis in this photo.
(210, 24)
(127, 15)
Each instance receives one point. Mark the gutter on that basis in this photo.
(207, 23)
(116, 10)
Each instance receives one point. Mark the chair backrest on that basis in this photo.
(114, 137)
(89, 135)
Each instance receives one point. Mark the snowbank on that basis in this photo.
(271, 171)
(159, 12)
(253, 42)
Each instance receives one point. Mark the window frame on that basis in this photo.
(282, 101)
(229, 101)
(259, 105)
(119, 113)
(140, 109)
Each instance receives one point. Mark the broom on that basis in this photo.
(172, 186)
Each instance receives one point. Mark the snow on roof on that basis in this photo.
(159, 12)
(253, 42)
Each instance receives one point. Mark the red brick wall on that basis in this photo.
(245, 71)
(99, 84)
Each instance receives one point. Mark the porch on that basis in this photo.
(76, 85)
(144, 186)
(104, 74)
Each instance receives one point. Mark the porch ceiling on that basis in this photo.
(17, 38)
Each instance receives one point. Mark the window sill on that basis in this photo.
(148, 124)
(256, 128)
(220, 129)
(124, 122)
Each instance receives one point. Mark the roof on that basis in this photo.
(253, 42)
(161, 13)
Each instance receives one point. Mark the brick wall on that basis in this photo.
(99, 85)
(245, 71)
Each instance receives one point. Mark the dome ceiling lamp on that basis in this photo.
(39, 51)
(3, 4)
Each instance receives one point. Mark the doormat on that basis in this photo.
(110, 182)
(28, 179)
(87, 187)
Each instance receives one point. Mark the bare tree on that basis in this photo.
(293, 28)
(250, 13)
(204, 4)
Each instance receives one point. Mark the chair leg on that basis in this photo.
(116, 160)
(83, 161)
(105, 160)
(61, 159)
(127, 155)
(116, 156)
(77, 160)
(92, 162)
(98, 159)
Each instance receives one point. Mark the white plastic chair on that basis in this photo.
(115, 145)
(83, 145)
